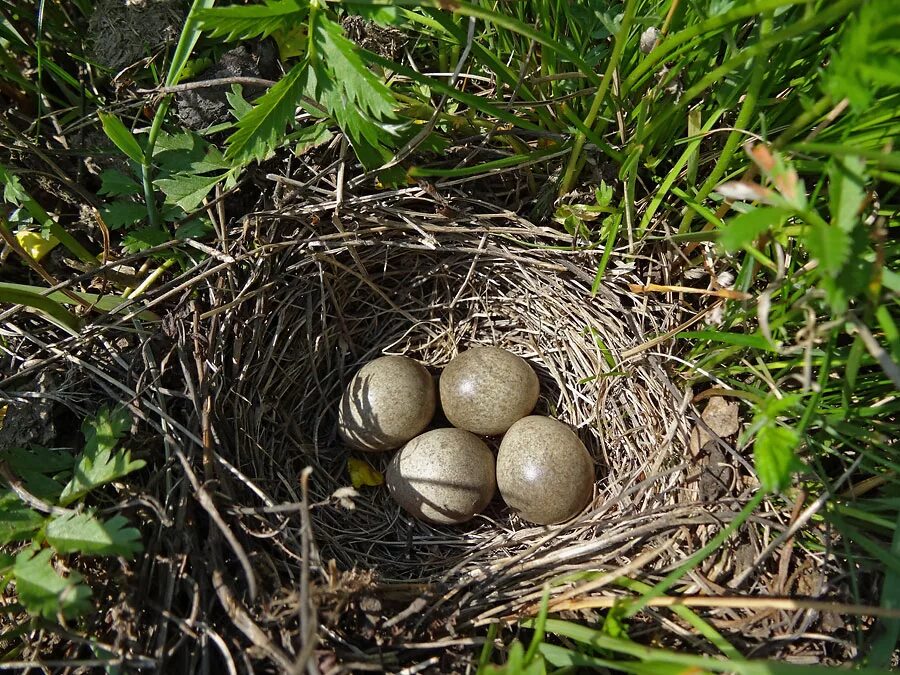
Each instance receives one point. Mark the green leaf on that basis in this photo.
(352, 84)
(187, 190)
(846, 189)
(17, 520)
(45, 592)
(829, 245)
(239, 105)
(117, 184)
(197, 228)
(311, 137)
(122, 213)
(261, 129)
(773, 456)
(39, 468)
(85, 533)
(743, 230)
(242, 22)
(381, 14)
(743, 339)
(144, 238)
(99, 464)
(13, 192)
(190, 33)
(121, 136)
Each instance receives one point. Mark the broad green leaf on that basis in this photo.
(144, 238)
(260, 130)
(829, 245)
(187, 190)
(196, 228)
(100, 463)
(122, 213)
(121, 136)
(742, 230)
(773, 407)
(36, 459)
(17, 520)
(846, 188)
(45, 592)
(310, 137)
(242, 22)
(382, 14)
(117, 184)
(85, 533)
(773, 456)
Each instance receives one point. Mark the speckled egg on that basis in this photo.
(544, 472)
(444, 476)
(485, 389)
(388, 402)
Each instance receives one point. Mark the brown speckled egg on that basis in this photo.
(389, 401)
(444, 476)
(544, 472)
(485, 389)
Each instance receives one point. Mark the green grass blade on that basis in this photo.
(691, 618)
(52, 309)
(121, 136)
(186, 42)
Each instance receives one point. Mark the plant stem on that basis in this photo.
(621, 38)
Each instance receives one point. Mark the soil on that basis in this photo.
(123, 32)
(201, 108)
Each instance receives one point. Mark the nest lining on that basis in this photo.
(428, 293)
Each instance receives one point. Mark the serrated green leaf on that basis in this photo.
(121, 136)
(829, 245)
(17, 520)
(187, 190)
(743, 230)
(13, 192)
(240, 22)
(39, 469)
(122, 213)
(100, 463)
(239, 105)
(381, 14)
(85, 533)
(774, 457)
(117, 184)
(144, 238)
(196, 228)
(352, 84)
(45, 592)
(311, 137)
(846, 188)
(260, 130)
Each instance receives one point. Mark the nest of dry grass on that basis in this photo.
(257, 557)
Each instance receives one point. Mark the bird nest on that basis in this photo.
(258, 548)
